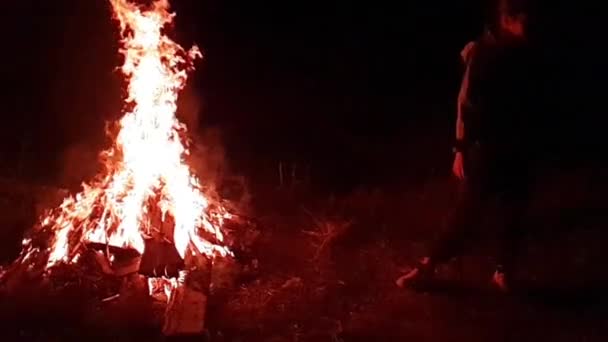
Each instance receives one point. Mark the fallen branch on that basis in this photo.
(327, 231)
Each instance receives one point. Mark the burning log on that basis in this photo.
(185, 314)
(182, 284)
(114, 260)
(160, 259)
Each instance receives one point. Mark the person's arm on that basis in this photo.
(460, 143)
(460, 133)
(467, 56)
(458, 166)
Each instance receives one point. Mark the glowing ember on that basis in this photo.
(146, 185)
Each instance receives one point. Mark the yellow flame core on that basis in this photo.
(145, 169)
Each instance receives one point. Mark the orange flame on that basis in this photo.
(145, 173)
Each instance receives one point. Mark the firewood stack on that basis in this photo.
(187, 281)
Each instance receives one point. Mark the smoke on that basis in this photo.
(208, 157)
(189, 108)
(80, 162)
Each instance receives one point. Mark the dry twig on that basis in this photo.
(327, 231)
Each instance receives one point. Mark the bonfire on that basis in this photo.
(146, 191)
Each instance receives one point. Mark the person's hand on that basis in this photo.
(465, 54)
(458, 167)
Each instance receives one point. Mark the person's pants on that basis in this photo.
(487, 177)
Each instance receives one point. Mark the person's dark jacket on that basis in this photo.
(496, 107)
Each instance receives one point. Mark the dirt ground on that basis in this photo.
(312, 267)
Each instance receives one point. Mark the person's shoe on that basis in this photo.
(500, 281)
(419, 276)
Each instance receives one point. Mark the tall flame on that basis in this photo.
(145, 173)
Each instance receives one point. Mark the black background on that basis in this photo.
(363, 93)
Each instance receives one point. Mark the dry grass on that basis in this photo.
(325, 272)
(326, 231)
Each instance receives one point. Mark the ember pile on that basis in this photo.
(147, 212)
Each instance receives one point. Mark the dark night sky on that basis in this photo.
(351, 89)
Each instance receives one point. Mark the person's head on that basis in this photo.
(512, 18)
